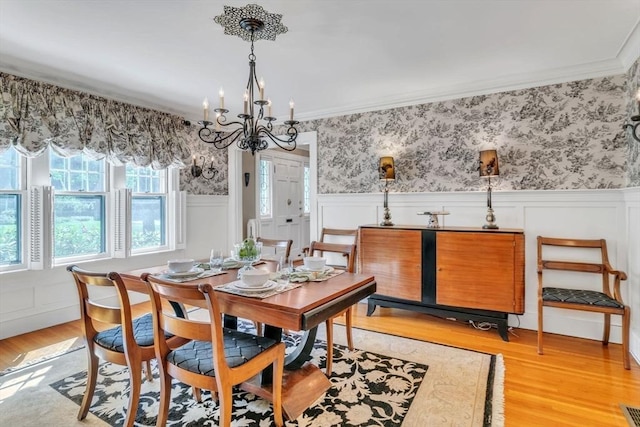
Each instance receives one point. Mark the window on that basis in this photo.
(265, 188)
(306, 190)
(79, 208)
(148, 207)
(11, 208)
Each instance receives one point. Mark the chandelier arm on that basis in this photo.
(218, 140)
(284, 143)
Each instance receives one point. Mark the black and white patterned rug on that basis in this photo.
(367, 389)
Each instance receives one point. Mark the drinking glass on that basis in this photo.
(215, 260)
(284, 271)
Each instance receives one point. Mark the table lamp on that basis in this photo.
(387, 172)
(488, 168)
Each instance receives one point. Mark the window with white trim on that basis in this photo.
(306, 187)
(148, 208)
(79, 207)
(12, 200)
(265, 192)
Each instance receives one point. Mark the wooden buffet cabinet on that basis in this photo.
(454, 272)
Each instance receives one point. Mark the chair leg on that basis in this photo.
(196, 394)
(329, 325)
(92, 377)
(226, 405)
(278, 370)
(607, 329)
(165, 399)
(147, 370)
(135, 382)
(626, 320)
(540, 331)
(349, 323)
(258, 327)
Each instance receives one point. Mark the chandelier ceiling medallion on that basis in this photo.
(254, 129)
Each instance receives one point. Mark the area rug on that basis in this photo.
(387, 381)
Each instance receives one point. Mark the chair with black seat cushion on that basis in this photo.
(608, 300)
(215, 358)
(349, 252)
(130, 343)
(281, 247)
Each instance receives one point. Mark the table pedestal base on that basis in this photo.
(300, 389)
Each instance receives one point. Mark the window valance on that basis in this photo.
(34, 115)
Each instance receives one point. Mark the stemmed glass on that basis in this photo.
(248, 259)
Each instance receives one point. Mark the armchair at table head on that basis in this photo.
(231, 357)
(578, 296)
(348, 251)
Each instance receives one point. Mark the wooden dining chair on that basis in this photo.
(349, 252)
(607, 301)
(215, 358)
(128, 343)
(336, 235)
(277, 244)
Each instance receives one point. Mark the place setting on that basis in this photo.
(314, 269)
(184, 270)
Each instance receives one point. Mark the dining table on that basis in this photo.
(300, 307)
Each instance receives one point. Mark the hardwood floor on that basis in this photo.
(576, 382)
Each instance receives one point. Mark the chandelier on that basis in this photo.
(254, 130)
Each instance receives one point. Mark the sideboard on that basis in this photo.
(462, 273)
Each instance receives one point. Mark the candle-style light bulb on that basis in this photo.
(291, 105)
(261, 85)
(269, 114)
(217, 122)
(246, 102)
(205, 105)
(194, 160)
(221, 94)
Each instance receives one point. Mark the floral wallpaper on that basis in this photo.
(633, 108)
(562, 136)
(219, 183)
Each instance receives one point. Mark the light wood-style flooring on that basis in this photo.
(576, 382)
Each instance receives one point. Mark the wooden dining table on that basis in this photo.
(299, 309)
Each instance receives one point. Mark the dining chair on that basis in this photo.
(349, 252)
(129, 343)
(578, 295)
(336, 235)
(277, 244)
(214, 358)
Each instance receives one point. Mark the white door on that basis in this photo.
(287, 200)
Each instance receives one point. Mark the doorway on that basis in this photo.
(237, 225)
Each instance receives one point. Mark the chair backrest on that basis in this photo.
(276, 244)
(335, 235)
(578, 250)
(349, 251)
(166, 321)
(92, 312)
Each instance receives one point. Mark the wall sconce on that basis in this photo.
(207, 172)
(488, 168)
(247, 177)
(387, 172)
(635, 121)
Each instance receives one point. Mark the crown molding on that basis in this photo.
(629, 53)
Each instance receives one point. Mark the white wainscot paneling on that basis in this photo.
(207, 225)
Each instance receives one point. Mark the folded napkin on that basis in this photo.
(227, 264)
(313, 276)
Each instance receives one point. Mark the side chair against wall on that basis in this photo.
(130, 343)
(336, 235)
(214, 358)
(608, 301)
(349, 251)
(276, 244)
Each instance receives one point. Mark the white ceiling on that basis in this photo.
(338, 57)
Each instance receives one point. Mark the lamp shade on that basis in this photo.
(489, 163)
(387, 168)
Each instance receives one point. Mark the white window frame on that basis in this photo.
(24, 216)
(271, 170)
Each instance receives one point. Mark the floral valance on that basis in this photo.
(35, 115)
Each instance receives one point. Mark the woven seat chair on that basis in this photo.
(607, 301)
(214, 358)
(130, 343)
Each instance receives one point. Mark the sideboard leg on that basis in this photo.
(371, 307)
(503, 330)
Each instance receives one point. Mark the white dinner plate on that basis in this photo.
(325, 270)
(269, 285)
(191, 273)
